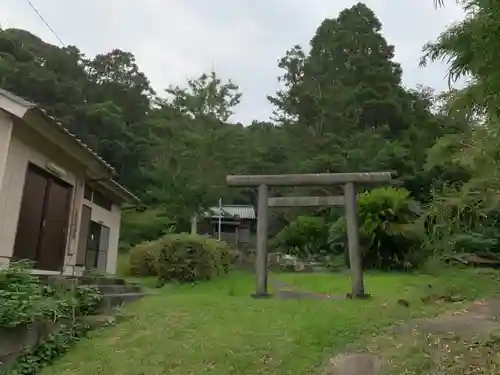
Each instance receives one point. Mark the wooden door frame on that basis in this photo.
(62, 252)
(82, 245)
(30, 170)
(50, 180)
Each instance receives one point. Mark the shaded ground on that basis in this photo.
(461, 342)
(217, 329)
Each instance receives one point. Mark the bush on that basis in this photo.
(304, 237)
(387, 234)
(21, 296)
(143, 259)
(187, 258)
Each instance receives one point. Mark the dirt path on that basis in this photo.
(284, 290)
(463, 342)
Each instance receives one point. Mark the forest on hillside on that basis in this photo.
(342, 108)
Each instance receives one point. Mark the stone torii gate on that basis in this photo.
(348, 180)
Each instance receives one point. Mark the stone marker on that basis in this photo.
(354, 364)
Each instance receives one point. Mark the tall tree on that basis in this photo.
(347, 81)
(343, 106)
(117, 75)
(206, 96)
(51, 76)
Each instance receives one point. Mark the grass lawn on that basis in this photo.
(216, 328)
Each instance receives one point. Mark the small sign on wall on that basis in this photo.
(57, 170)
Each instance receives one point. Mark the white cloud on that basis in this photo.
(242, 39)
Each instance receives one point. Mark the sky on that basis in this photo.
(174, 40)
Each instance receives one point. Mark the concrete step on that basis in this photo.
(81, 280)
(119, 289)
(99, 321)
(101, 281)
(110, 301)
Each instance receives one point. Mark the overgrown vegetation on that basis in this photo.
(25, 300)
(463, 216)
(389, 233)
(306, 236)
(389, 237)
(51, 348)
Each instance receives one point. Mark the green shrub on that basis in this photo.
(143, 259)
(187, 258)
(304, 237)
(387, 234)
(21, 296)
(223, 253)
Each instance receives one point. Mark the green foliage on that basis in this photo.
(304, 237)
(206, 96)
(143, 225)
(460, 220)
(188, 258)
(342, 109)
(476, 242)
(387, 231)
(46, 352)
(143, 259)
(25, 299)
(88, 299)
(462, 215)
(21, 296)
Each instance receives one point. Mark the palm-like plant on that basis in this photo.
(472, 49)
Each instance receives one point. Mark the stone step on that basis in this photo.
(110, 301)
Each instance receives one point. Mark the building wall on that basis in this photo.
(27, 147)
(112, 220)
(238, 233)
(5, 133)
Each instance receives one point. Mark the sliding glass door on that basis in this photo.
(97, 247)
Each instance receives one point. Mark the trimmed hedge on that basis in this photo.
(143, 259)
(187, 258)
(181, 257)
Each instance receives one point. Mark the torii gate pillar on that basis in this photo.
(261, 256)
